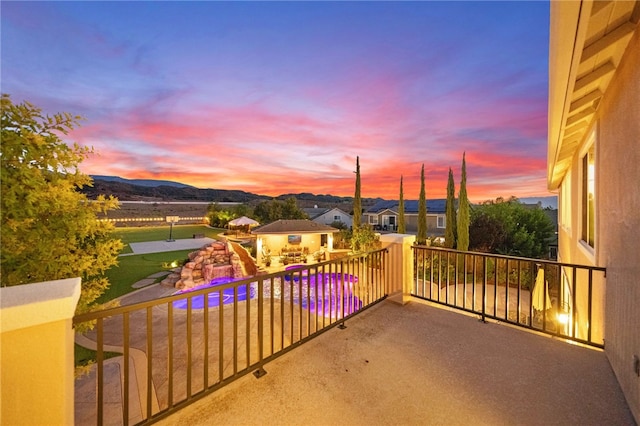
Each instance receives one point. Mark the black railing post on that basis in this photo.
(260, 371)
(149, 360)
(100, 362)
(189, 345)
(484, 290)
(341, 295)
(125, 355)
(590, 305)
(170, 353)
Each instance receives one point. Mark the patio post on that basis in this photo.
(37, 352)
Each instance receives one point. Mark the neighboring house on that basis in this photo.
(328, 216)
(295, 233)
(594, 164)
(384, 216)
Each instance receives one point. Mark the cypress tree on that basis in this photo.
(401, 225)
(463, 210)
(421, 238)
(450, 227)
(357, 202)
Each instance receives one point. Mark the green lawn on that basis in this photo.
(159, 233)
(133, 268)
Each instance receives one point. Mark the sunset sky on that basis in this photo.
(280, 97)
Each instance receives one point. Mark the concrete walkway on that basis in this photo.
(162, 246)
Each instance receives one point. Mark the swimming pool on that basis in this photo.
(329, 294)
(228, 294)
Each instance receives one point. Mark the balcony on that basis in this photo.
(420, 364)
(272, 349)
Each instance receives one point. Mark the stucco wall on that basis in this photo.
(329, 217)
(618, 192)
(36, 337)
(276, 242)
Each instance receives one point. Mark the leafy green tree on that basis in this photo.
(357, 201)
(270, 211)
(364, 239)
(218, 216)
(338, 224)
(49, 229)
(463, 211)
(290, 210)
(240, 210)
(508, 227)
(487, 232)
(450, 227)
(402, 228)
(421, 238)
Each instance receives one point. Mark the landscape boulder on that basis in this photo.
(214, 260)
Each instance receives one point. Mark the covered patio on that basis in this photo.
(286, 242)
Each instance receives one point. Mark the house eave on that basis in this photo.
(587, 41)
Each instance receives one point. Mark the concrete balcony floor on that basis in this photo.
(419, 364)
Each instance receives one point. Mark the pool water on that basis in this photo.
(213, 298)
(319, 293)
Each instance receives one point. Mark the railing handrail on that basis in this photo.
(104, 313)
(499, 288)
(278, 312)
(509, 257)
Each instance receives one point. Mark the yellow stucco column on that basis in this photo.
(36, 352)
(400, 265)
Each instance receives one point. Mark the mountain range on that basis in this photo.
(165, 190)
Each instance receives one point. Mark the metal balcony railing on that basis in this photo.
(178, 349)
(560, 299)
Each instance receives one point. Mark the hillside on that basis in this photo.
(126, 191)
(166, 191)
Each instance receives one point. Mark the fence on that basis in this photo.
(561, 299)
(178, 349)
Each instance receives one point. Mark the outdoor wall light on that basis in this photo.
(563, 318)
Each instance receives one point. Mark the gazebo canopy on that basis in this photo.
(243, 221)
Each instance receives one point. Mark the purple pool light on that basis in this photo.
(329, 305)
(332, 302)
(213, 298)
(327, 294)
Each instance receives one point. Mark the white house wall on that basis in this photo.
(329, 217)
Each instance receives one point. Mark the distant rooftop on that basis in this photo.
(300, 226)
(410, 206)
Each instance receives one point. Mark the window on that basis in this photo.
(336, 217)
(588, 197)
(442, 222)
(373, 220)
